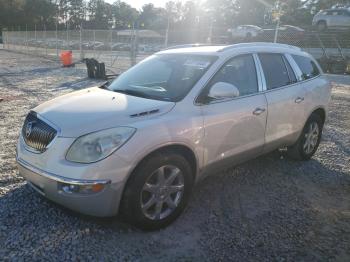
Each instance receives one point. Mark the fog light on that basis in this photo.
(70, 188)
(81, 189)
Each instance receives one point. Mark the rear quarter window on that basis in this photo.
(308, 67)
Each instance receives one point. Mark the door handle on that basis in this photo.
(299, 100)
(258, 111)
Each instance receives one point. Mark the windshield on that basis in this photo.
(167, 77)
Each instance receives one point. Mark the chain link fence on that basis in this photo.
(120, 49)
(117, 49)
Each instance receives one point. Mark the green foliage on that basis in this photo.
(180, 15)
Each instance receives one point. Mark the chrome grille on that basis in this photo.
(36, 133)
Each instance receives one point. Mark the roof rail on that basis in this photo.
(267, 44)
(185, 46)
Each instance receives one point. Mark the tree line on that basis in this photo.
(98, 14)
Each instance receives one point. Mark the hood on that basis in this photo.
(94, 109)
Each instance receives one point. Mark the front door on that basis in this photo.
(234, 128)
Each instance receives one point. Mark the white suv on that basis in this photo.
(332, 18)
(246, 31)
(139, 144)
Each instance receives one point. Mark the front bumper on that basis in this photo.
(101, 204)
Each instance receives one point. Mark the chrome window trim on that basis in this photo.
(58, 178)
(299, 70)
(296, 70)
(291, 85)
(260, 88)
(295, 67)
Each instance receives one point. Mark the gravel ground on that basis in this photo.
(267, 209)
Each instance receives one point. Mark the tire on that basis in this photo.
(249, 36)
(301, 150)
(146, 178)
(321, 26)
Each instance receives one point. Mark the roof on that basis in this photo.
(193, 48)
(215, 50)
(336, 9)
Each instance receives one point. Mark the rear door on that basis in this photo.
(345, 18)
(338, 18)
(315, 87)
(285, 99)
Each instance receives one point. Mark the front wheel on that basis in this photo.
(157, 192)
(309, 139)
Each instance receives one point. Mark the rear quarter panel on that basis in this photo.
(317, 94)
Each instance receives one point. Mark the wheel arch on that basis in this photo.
(180, 148)
(321, 112)
(322, 21)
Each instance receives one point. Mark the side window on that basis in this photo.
(307, 67)
(240, 72)
(275, 70)
(344, 13)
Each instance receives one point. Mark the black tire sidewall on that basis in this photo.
(131, 205)
(321, 26)
(313, 119)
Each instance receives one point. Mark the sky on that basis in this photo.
(139, 3)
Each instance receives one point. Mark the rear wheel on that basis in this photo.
(309, 139)
(157, 192)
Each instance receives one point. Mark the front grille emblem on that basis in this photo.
(36, 133)
(29, 128)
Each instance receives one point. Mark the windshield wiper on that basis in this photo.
(141, 94)
(105, 85)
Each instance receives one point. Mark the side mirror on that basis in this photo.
(222, 90)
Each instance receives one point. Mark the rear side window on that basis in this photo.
(307, 66)
(275, 70)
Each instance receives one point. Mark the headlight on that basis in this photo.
(96, 146)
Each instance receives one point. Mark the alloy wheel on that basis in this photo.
(311, 138)
(162, 192)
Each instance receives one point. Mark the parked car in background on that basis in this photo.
(74, 44)
(99, 45)
(288, 33)
(338, 18)
(292, 30)
(246, 31)
(167, 122)
(121, 46)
